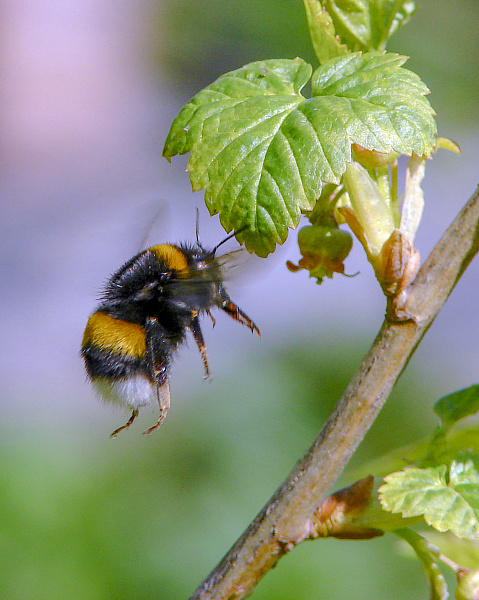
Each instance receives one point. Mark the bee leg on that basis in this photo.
(159, 351)
(200, 342)
(213, 320)
(237, 314)
(163, 395)
(134, 414)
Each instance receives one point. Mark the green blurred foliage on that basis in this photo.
(199, 41)
(83, 516)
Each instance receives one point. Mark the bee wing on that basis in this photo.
(234, 263)
(216, 269)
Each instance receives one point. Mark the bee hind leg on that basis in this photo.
(163, 395)
(134, 414)
(159, 351)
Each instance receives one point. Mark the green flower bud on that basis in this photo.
(323, 249)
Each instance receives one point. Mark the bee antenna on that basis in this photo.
(228, 237)
(198, 243)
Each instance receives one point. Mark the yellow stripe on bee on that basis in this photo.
(116, 335)
(173, 257)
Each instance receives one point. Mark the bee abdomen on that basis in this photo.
(114, 335)
(101, 363)
(134, 391)
(113, 348)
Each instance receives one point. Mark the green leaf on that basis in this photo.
(326, 43)
(427, 554)
(367, 24)
(387, 16)
(464, 469)
(252, 150)
(262, 151)
(382, 105)
(452, 505)
(458, 405)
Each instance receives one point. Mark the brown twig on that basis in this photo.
(286, 519)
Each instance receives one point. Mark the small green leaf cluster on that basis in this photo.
(442, 487)
(263, 152)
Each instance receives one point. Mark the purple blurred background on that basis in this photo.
(86, 106)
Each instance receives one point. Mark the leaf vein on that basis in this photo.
(296, 168)
(320, 144)
(280, 194)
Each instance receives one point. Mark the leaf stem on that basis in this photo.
(286, 519)
(428, 555)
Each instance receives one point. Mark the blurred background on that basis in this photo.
(89, 91)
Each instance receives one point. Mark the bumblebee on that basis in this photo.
(144, 314)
